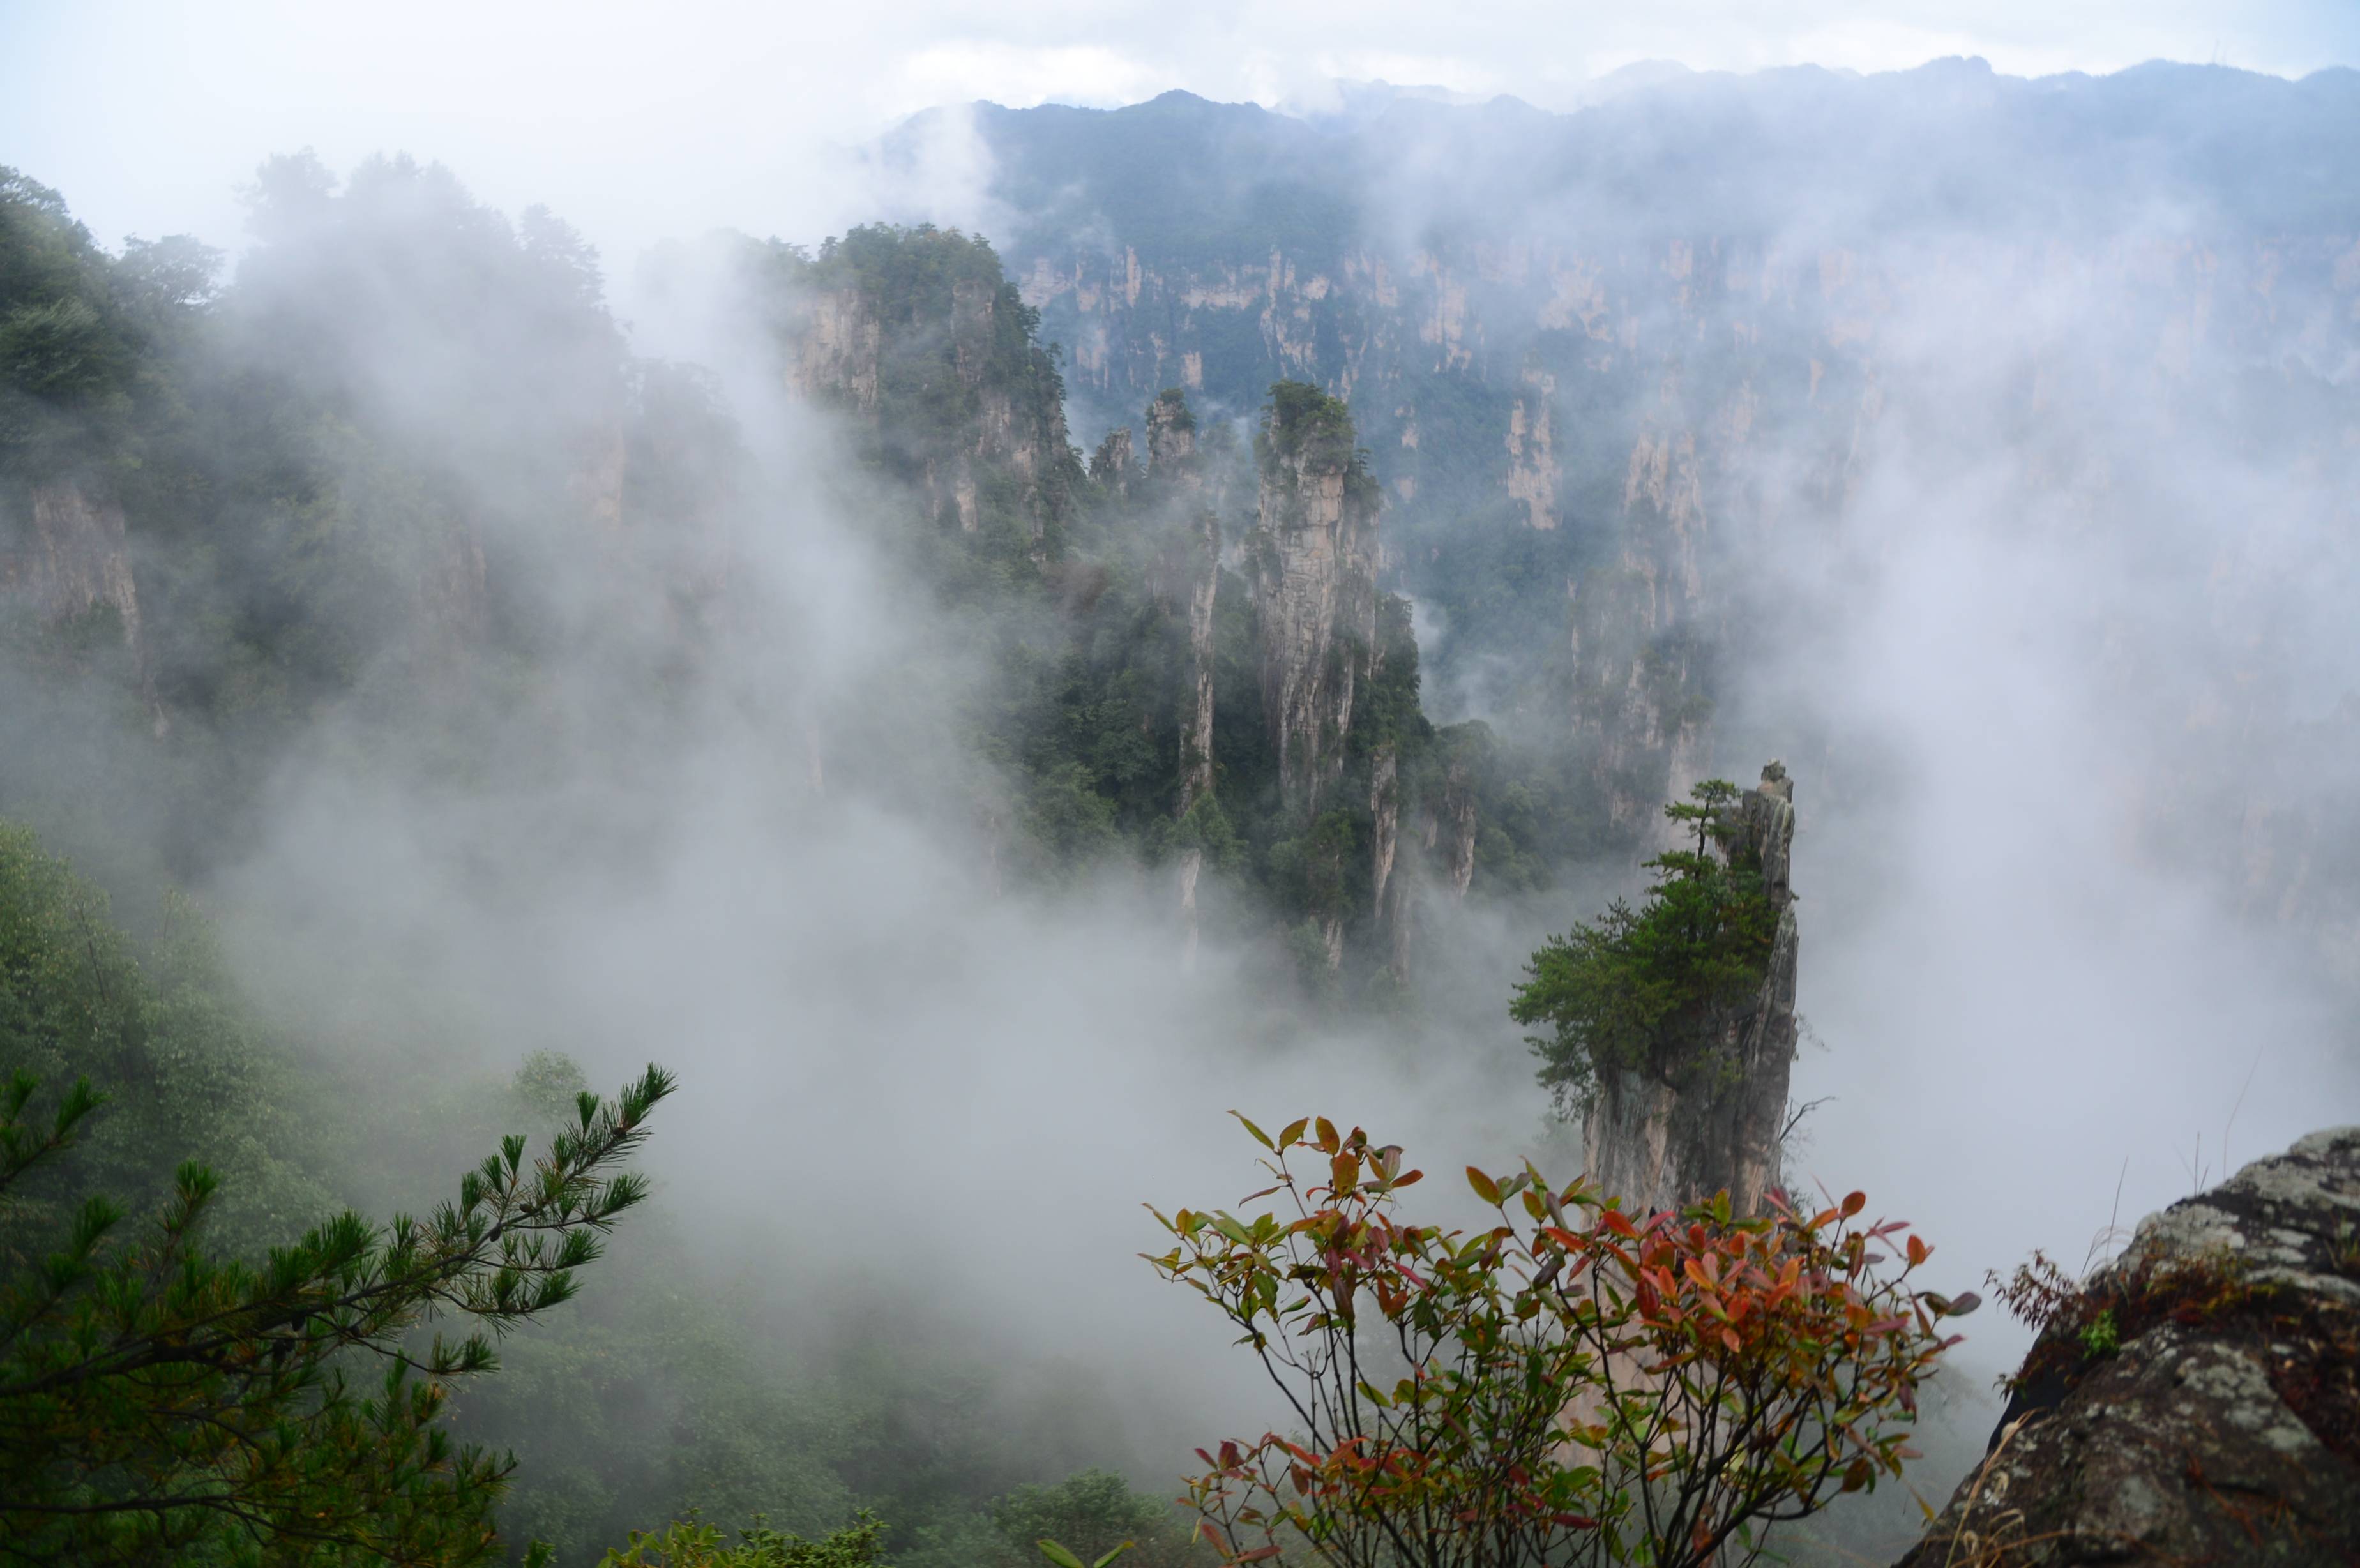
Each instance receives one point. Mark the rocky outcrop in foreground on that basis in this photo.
(2197, 1402)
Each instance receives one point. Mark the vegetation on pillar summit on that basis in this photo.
(1571, 1384)
(1303, 425)
(1638, 988)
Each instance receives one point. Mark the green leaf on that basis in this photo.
(1058, 1554)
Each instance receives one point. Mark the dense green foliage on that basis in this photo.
(153, 1024)
(688, 1544)
(80, 331)
(162, 1399)
(1630, 991)
(159, 1403)
(397, 487)
(663, 1388)
(1089, 1514)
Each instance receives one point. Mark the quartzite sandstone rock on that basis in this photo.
(1669, 1133)
(2232, 1439)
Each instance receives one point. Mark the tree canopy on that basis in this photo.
(1627, 991)
(157, 1401)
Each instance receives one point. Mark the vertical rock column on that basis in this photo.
(1659, 1138)
(1389, 872)
(1172, 466)
(1172, 463)
(1315, 560)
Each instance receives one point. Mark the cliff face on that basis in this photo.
(1193, 568)
(2217, 1420)
(68, 555)
(921, 338)
(1599, 385)
(1661, 1141)
(1450, 827)
(1314, 553)
(839, 349)
(1635, 398)
(73, 555)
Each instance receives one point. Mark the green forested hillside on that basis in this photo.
(401, 470)
(655, 1393)
(394, 487)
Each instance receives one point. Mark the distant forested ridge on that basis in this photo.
(401, 471)
(394, 494)
(1316, 529)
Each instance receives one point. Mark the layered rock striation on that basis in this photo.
(1314, 556)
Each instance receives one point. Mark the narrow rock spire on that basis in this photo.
(1661, 1140)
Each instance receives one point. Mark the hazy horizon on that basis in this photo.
(2003, 487)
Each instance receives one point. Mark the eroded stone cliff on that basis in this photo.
(1707, 1112)
(1314, 556)
(1192, 567)
(74, 557)
(920, 336)
(66, 559)
(1663, 391)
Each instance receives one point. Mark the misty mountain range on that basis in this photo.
(1190, 636)
(1614, 357)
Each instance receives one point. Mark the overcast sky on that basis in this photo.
(641, 121)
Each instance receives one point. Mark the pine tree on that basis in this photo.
(159, 1404)
(1619, 993)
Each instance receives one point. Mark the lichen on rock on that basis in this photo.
(2222, 1424)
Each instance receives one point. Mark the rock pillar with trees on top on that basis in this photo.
(1673, 1026)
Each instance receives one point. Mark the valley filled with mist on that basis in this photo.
(1167, 617)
